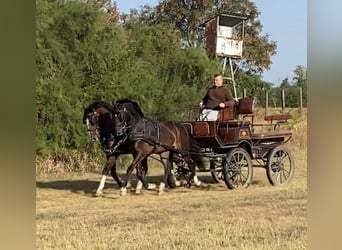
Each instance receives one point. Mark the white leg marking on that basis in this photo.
(161, 188)
(139, 187)
(178, 183)
(152, 186)
(101, 185)
(197, 181)
(123, 191)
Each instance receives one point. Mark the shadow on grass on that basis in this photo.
(76, 186)
(89, 187)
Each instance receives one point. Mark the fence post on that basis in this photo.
(283, 101)
(266, 102)
(244, 92)
(301, 100)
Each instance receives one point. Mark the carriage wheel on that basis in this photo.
(237, 169)
(216, 171)
(280, 166)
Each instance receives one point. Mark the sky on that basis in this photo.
(285, 21)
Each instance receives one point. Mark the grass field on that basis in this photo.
(68, 216)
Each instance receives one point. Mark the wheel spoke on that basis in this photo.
(237, 171)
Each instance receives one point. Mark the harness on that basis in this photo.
(113, 149)
(149, 132)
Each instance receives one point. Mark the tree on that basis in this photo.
(300, 81)
(187, 15)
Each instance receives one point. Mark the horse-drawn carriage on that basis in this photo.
(230, 143)
(234, 148)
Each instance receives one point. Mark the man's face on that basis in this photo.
(218, 81)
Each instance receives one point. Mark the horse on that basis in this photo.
(171, 140)
(98, 117)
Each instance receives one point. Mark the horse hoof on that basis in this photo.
(98, 194)
(123, 191)
(160, 192)
(137, 191)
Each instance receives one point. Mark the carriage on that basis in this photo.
(234, 148)
(231, 144)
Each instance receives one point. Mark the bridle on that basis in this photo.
(92, 122)
(119, 115)
(93, 118)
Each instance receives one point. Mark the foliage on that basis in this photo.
(86, 51)
(82, 57)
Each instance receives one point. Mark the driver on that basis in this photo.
(216, 98)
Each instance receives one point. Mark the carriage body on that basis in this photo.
(233, 148)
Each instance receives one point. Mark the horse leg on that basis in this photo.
(141, 174)
(114, 174)
(111, 160)
(193, 175)
(167, 169)
(136, 163)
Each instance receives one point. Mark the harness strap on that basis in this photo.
(111, 150)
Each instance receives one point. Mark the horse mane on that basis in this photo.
(99, 104)
(133, 104)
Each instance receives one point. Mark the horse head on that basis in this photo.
(98, 118)
(127, 114)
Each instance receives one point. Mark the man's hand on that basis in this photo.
(222, 105)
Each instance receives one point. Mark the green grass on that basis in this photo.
(68, 216)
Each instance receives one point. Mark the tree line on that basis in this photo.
(87, 51)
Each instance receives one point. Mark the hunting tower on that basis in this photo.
(223, 38)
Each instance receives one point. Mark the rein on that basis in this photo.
(187, 108)
(112, 149)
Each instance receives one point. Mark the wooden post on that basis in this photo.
(301, 100)
(266, 102)
(283, 101)
(244, 92)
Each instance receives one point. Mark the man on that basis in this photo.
(217, 97)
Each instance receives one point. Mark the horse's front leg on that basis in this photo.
(111, 160)
(136, 163)
(141, 174)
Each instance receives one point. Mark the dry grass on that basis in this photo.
(208, 217)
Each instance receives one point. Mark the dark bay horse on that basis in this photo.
(171, 140)
(98, 117)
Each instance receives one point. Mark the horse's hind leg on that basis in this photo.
(111, 160)
(167, 169)
(193, 175)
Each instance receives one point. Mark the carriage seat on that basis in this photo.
(245, 107)
(226, 114)
(280, 118)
